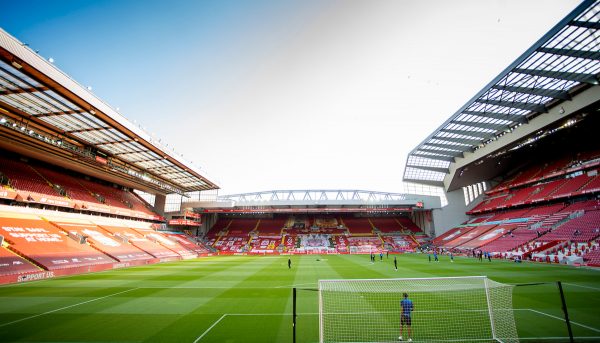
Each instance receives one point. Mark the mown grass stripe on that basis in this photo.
(66, 307)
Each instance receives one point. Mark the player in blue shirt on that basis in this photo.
(405, 319)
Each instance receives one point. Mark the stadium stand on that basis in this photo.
(264, 244)
(397, 243)
(186, 242)
(25, 180)
(116, 247)
(387, 224)
(161, 239)
(11, 263)
(232, 244)
(580, 229)
(468, 240)
(365, 244)
(510, 240)
(71, 187)
(341, 244)
(140, 241)
(592, 258)
(270, 227)
(409, 225)
(357, 225)
(47, 246)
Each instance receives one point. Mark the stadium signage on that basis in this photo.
(185, 222)
(101, 160)
(192, 215)
(35, 276)
(6, 194)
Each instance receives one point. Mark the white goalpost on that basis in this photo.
(444, 309)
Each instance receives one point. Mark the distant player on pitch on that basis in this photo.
(407, 308)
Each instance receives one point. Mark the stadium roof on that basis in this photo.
(34, 91)
(316, 200)
(562, 63)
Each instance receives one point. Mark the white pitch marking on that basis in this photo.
(66, 307)
(212, 326)
(296, 285)
(559, 318)
(576, 285)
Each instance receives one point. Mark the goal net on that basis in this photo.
(450, 309)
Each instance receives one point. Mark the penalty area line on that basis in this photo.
(296, 285)
(562, 319)
(210, 328)
(66, 307)
(582, 286)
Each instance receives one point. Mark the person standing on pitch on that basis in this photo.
(435, 258)
(289, 263)
(381, 256)
(451, 257)
(395, 263)
(405, 320)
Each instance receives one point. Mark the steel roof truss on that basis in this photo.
(586, 24)
(561, 75)
(435, 157)
(442, 152)
(433, 169)
(539, 108)
(475, 134)
(461, 148)
(458, 140)
(22, 90)
(501, 116)
(488, 126)
(552, 93)
(587, 54)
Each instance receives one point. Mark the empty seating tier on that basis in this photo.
(11, 263)
(48, 246)
(114, 246)
(141, 242)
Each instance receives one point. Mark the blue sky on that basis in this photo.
(286, 94)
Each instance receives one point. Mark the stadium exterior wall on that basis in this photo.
(454, 213)
(159, 203)
(424, 220)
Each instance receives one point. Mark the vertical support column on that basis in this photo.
(159, 203)
(564, 308)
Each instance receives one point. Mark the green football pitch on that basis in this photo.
(249, 299)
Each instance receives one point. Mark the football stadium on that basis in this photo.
(108, 235)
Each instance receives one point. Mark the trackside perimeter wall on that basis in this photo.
(454, 213)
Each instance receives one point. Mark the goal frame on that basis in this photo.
(484, 278)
